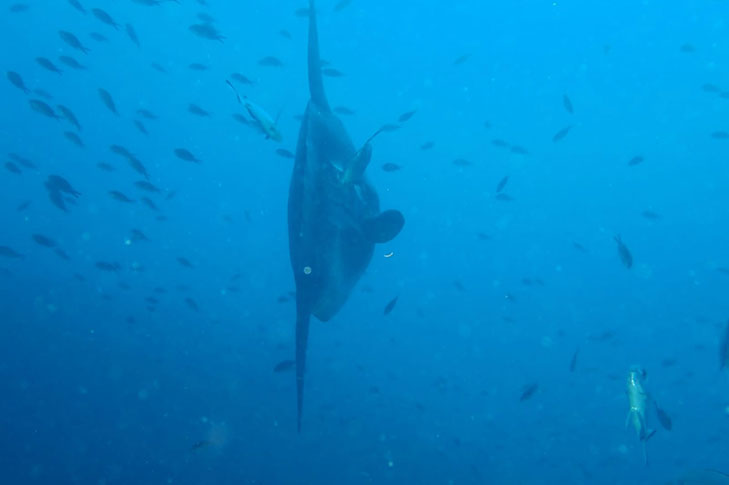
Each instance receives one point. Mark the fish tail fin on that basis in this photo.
(302, 337)
(316, 83)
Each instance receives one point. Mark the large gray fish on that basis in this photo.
(334, 213)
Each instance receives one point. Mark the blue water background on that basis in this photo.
(95, 388)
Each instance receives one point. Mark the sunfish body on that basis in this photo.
(334, 220)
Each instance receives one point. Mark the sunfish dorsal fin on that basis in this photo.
(316, 83)
(356, 167)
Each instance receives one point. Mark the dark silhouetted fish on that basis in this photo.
(331, 72)
(498, 142)
(73, 138)
(12, 168)
(23, 206)
(390, 306)
(240, 78)
(98, 37)
(140, 126)
(107, 266)
(270, 61)
(192, 304)
(519, 150)
(206, 31)
(186, 155)
(104, 17)
(48, 65)
(105, 167)
(57, 186)
(688, 48)
(147, 186)
(22, 160)
(284, 366)
(285, 34)
(302, 12)
(205, 17)
(197, 110)
(196, 66)
(68, 114)
(502, 183)
(116, 195)
(461, 59)
(44, 241)
(71, 62)
(120, 150)
(649, 214)
(341, 5)
(149, 203)
(528, 392)
(62, 254)
(663, 417)
(561, 134)
(461, 162)
(19, 8)
(17, 81)
(132, 35)
(42, 93)
(567, 104)
(185, 262)
(625, 257)
(406, 116)
(77, 5)
(72, 41)
(573, 362)
(158, 67)
(427, 145)
(200, 444)
(636, 160)
(10, 253)
(138, 235)
(144, 113)
(720, 135)
(43, 108)
(108, 101)
(282, 152)
(504, 197)
(390, 167)
(724, 349)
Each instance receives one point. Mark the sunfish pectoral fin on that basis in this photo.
(302, 337)
(384, 227)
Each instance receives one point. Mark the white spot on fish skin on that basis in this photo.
(307, 270)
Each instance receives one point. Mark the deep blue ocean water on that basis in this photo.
(160, 371)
